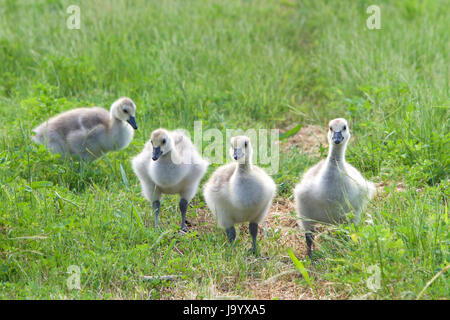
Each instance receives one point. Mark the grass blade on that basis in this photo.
(291, 132)
(137, 216)
(163, 260)
(124, 177)
(301, 268)
(432, 280)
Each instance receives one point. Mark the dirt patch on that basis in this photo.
(283, 287)
(286, 286)
(202, 222)
(283, 220)
(283, 210)
(399, 186)
(309, 139)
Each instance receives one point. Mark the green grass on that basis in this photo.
(231, 64)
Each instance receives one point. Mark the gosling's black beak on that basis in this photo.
(156, 153)
(132, 122)
(237, 154)
(337, 137)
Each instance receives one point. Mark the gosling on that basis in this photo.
(170, 164)
(332, 188)
(240, 191)
(89, 133)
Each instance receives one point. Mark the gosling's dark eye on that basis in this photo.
(344, 128)
(164, 141)
(246, 144)
(331, 129)
(125, 110)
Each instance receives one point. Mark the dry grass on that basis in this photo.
(202, 222)
(399, 186)
(308, 139)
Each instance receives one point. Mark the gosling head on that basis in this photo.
(162, 143)
(124, 109)
(338, 132)
(241, 149)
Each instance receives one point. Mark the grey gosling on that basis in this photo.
(332, 188)
(240, 191)
(89, 133)
(170, 164)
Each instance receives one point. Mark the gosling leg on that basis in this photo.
(155, 206)
(183, 208)
(253, 227)
(309, 242)
(231, 234)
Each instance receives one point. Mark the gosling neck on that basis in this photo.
(116, 123)
(336, 154)
(244, 167)
(171, 156)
